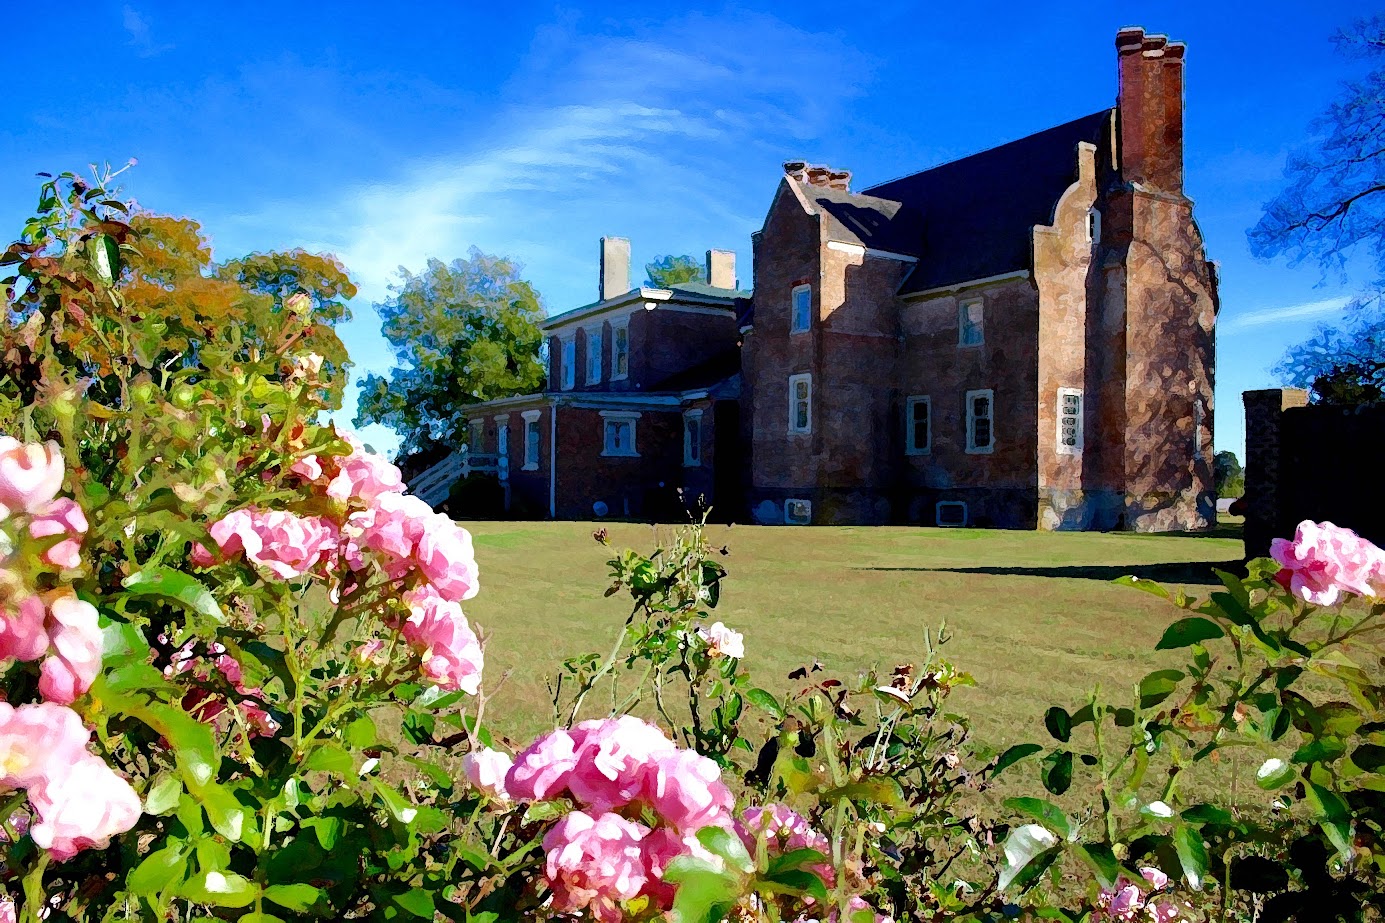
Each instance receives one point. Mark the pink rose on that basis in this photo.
(307, 467)
(785, 831)
(541, 770)
(393, 524)
(363, 476)
(82, 807)
(234, 534)
(686, 790)
(594, 863)
(486, 769)
(75, 661)
(1325, 561)
(291, 545)
(61, 517)
(22, 635)
(37, 740)
(661, 846)
(722, 641)
(445, 556)
(612, 760)
(436, 627)
(30, 475)
(7, 911)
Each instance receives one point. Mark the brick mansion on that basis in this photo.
(1022, 338)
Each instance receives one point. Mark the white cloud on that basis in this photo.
(140, 38)
(1295, 312)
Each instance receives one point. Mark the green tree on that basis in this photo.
(668, 271)
(1228, 475)
(1331, 208)
(462, 332)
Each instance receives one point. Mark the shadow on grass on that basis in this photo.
(1184, 572)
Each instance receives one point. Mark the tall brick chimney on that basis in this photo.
(1151, 109)
(615, 267)
(721, 268)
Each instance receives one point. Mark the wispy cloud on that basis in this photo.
(1295, 312)
(138, 29)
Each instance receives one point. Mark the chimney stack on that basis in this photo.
(1151, 109)
(615, 267)
(721, 268)
(819, 175)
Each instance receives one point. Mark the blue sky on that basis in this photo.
(391, 133)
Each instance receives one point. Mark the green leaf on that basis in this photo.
(220, 889)
(766, 703)
(1332, 814)
(1056, 771)
(1013, 755)
(418, 902)
(1046, 812)
(105, 257)
(1192, 854)
(794, 859)
(876, 790)
(1024, 846)
(728, 846)
(330, 757)
(398, 806)
(361, 733)
(295, 897)
(794, 881)
(1370, 757)
(163, 795)
(229, 817)
(1158, 686)
(1187, 632)
(1059, 723)
(253, 917)
(328, 829)
(1140, 583)
(159, 871)
(177, 587)
(1208, 814)
(705, 894)
(1102, 860)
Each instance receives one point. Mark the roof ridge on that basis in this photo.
(987, 150)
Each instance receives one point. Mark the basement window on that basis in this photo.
(950, 514)
(798, 512)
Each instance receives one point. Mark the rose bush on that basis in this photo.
(239, 682)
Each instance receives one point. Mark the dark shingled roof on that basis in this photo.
(881, 224)
(706, 374)
(974, 215)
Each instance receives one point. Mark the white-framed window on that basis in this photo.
(593, 355)
(531, 439)
(1069, 421)
(980, 422)
(620, 351)
(801, 403)
(476, 435)
(618, 433)
(569, 363)
(502, 435)
(918, 425)
(970, 315)
(1093, 225)
(801, 300)
(546, 357)
(692, 438)
(950, 513)
(798, 512)
(1199, 412)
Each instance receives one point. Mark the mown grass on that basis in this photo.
(1034, 616)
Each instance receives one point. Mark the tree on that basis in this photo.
(1333, 207)
(1228, 475)
(187, 302)
(668, 271)
(462, 332)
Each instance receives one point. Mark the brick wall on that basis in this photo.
(665, 341)
(1310, 462)
(639, 487)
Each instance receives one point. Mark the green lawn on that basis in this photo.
(1034, 616)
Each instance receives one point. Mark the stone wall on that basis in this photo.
(1310, 462)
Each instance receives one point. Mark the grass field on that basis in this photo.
(1034, 616)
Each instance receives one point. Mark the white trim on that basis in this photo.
(793, 308)
(502, 436)
(859, 250)
(476, 435)
(531, 416)
(553, 461)
(646, 298)
(1092, 226)
(501, 418)
(807, 509)
(793, 417)
(690, 459)
(970, 283)
(938, 514)
(594, 334)
(1199, 417)
(972, 447)
(1062, 447)
(619, 416)
(909, 404)
(963, 320)
(622, 326)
